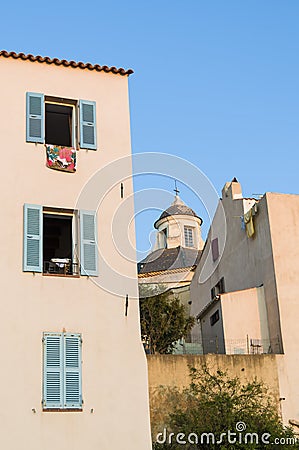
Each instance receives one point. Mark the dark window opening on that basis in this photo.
(57, 244)
(214, 317)
(165, 233)
(219, 288)
(58, 124)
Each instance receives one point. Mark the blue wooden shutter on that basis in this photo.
(72, 371)
(88, 138)
(53, 371)
(33, 233)
(88, 247)
(34, 117)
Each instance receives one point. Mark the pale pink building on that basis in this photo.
(74, 371)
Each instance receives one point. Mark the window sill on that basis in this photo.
(63, 410)
(60, 275)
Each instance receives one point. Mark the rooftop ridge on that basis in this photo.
(65, 63)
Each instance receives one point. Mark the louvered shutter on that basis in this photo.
(34, 117)
(87, 112)
(53, 371)
(88, 248)
(33, 232)
(72, 371)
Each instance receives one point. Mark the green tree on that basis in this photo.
(216, 403)
(164, 321)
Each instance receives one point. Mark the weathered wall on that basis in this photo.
(245, 262)
(173, 370)
(284, 223)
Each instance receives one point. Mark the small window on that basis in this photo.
(189, 239)
(58, 248)
(59, 124)
(214, 318)
(219, 288)
(164, 234)
(62, 371)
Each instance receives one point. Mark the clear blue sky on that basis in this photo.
(216, 82)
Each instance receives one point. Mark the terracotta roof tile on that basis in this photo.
(65, 63)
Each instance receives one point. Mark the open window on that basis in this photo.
(219, 288)
(59, 243)
(54, 238)
(59, 127)
(60, 121)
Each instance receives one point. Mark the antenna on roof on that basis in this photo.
(175, 188)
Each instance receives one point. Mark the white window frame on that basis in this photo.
(189, 236)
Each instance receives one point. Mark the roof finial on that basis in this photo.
(176, 189)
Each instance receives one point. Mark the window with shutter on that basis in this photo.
(62, 371)
(215, 249)
(54, 121)
(53, 371)
(33, 231)
(51, 241)
(34, 117)
(87, 110)
(72, 370)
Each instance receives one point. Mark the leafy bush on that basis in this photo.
(216, 403)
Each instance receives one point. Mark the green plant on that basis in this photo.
(164, 321)
(216, 403)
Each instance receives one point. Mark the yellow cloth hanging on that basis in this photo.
(249, 223)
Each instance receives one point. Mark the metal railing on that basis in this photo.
(245, 346)
(61, 268)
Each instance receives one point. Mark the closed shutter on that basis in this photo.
(72, 371)
(53, 371)
(33, 232)
(34, 117)
(215, 249)
(88, 248)
(87, 111)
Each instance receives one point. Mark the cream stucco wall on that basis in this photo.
(283, 212)
(114, 373)
(244, 262)
(175, 232)
(268, 259)
(244, 320)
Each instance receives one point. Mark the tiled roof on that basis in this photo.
(65, 63)
(178, 207)
(169, 259)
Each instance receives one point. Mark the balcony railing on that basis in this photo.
(61, 266)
